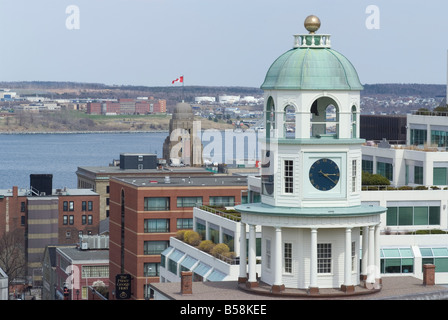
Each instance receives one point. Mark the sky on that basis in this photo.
(215, 42)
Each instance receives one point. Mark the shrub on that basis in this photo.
(180, 235)
(219, 249)
(369, 179)
(206, 245)
(230, 255)
(421, 188)
(192, 237)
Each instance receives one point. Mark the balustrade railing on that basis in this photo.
(312, 41)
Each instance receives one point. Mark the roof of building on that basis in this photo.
(312, 69)
(186, 181)
(393, 288)
(116, 170)
(77, 254)
(312, 65)
(25, 192)
(265, 209)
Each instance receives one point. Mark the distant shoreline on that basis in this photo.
(80, 132)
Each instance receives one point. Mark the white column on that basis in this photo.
(252, 255)
(365, 250)
(377, 253)
(243, 251)
(371, 263)
(220, 235)
(278, 257)
(348, 257)
(313, 261)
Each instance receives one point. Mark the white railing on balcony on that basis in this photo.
(312, 41)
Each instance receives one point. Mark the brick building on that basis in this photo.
(146, 212)
(12, 210)
(78, 269)
(58, 216)
(127, 106)
(97, 178)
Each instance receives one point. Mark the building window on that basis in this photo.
(200, 228)
(71, 219)
(84, 219)
(154, 247)
(95, 271)
(65, 206)
(22, 207)
(183, 202)
(156, 225)
(84, 206)
(397, 260)
(90, 205)
(418, 175)
(157, 204)
(289, 180)
(385, 169)
(65, 220)
(222, 201)
(287, 257)
(228, 238)
(418, 137)
(71, 206)
(268, 253)
(172, 266)
(439, 138)
(367, 166)
(438, 256)
(213, 231)
(440, 176)
(413, 216)
(184, 223)
(354, 175)
(89, 219)
(324, 258)
(151, 269)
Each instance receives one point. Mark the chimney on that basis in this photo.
(15, 191)
(186, 282)
(429, 275)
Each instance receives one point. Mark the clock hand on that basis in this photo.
(326, 175)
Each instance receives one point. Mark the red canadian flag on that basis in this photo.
(180, 79)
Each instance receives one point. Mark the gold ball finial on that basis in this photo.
(312, 24)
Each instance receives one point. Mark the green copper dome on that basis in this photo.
(306, 68)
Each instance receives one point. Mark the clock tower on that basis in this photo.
(310, 213)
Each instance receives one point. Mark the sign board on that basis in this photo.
(122, 286)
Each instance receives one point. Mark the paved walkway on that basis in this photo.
(400, 288)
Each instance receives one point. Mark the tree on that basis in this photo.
(12, 254)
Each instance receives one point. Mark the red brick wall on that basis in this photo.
(10, 212)
(77, 213)
(134, 224)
